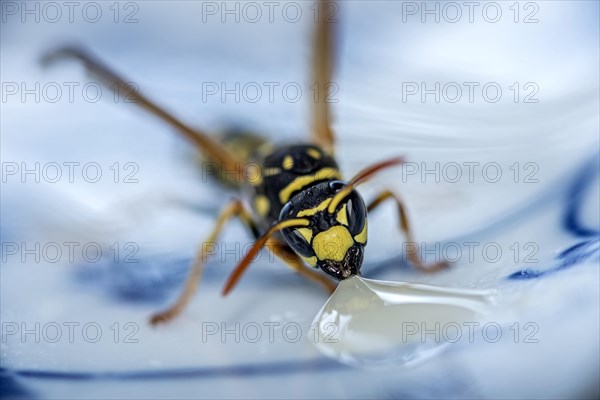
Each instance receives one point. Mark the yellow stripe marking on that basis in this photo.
(262, 205)
(288, 162)
(302, 181)
(333, 243)
(342, 216)
(271, 171)
(312, 211)
(306, 233)
(362, 236)
(291, 223)
(314, 153)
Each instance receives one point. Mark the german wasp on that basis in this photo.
(302, 209)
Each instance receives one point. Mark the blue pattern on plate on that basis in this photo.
(582, 181)
(10, 388)
(587, 250)
(241, 370)
(150, 280)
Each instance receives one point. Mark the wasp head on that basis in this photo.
(335, 238)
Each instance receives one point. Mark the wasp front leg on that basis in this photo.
(235, 209)
(413, 256)
(283, 252)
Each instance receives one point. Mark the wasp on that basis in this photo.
(301, 208)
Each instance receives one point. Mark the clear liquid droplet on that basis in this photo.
(377, 322)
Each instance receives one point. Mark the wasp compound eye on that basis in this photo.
(352, 213)
(286, 212)
(299, 240)
(356, 213)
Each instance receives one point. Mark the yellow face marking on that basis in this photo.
(362, 236)
(288, 162)
(333, 243)
(302, 181)
(314, 210)
(271, 171)
(312, 261)
(306, 233)
(342, 216)
(262, 205)
(314, 153)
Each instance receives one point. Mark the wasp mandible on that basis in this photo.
(302, 210)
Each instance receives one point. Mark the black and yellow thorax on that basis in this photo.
(285, 172)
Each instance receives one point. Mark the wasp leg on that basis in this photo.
(285, 254)
(235, 209)
(280, 250)
(209, 147)
(413, 256)
(322, 64)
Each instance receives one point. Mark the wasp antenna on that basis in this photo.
(256, 247)
(360, 177)
(368, 172)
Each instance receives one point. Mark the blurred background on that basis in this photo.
(494, 104)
